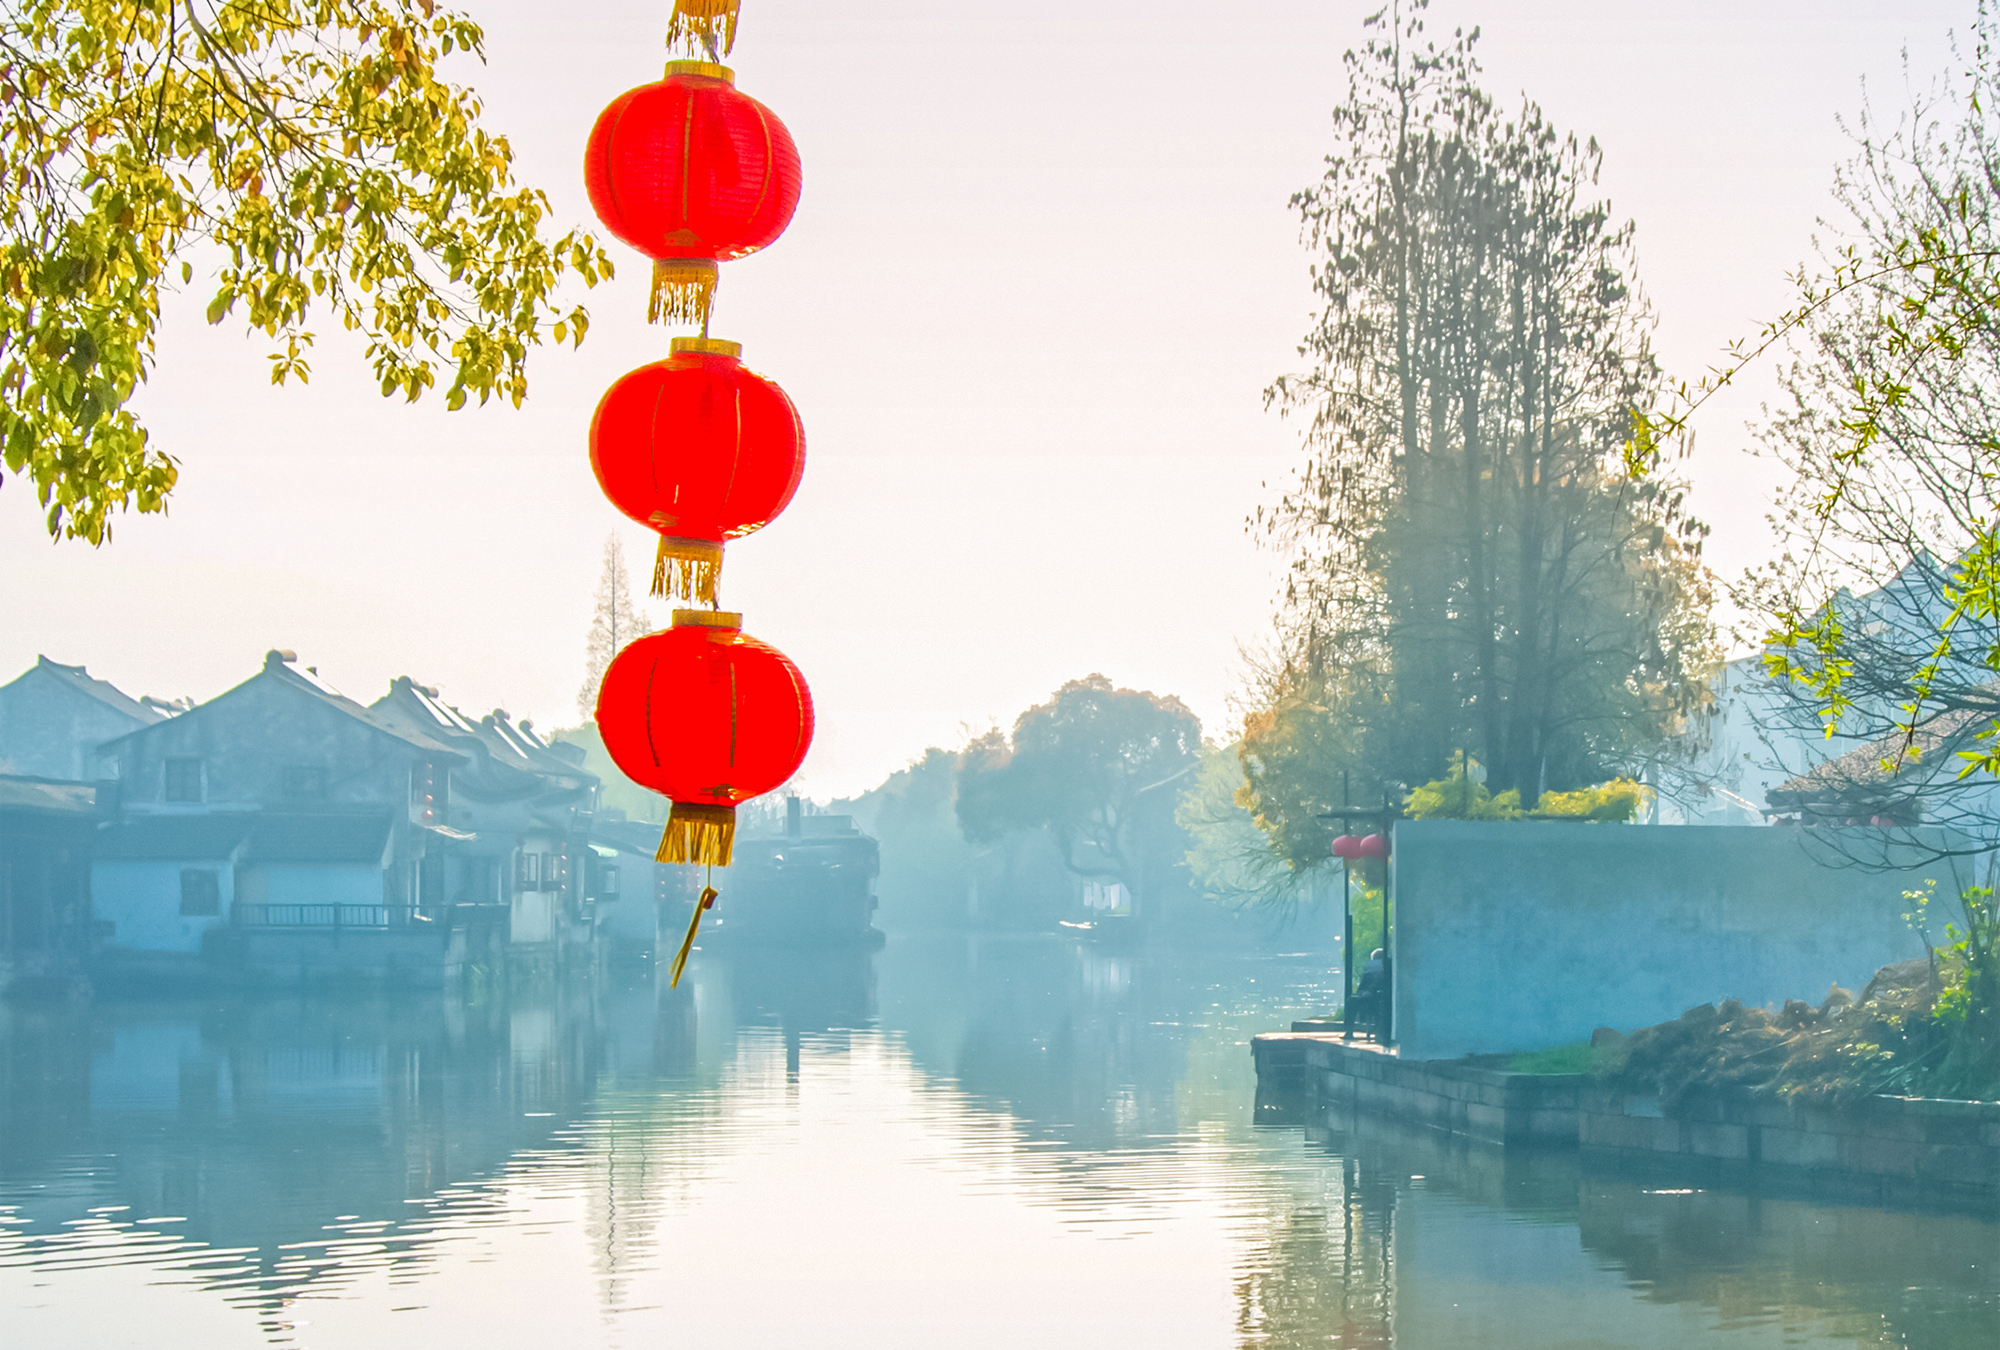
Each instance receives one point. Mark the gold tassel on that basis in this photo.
(687, 568)
(698, 20)
(698, 833)
(683, 290)
(707, 902)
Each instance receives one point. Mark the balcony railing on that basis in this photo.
(338, 916)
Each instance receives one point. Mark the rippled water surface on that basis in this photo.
(960, 1142)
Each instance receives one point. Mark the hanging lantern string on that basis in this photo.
(701, 906)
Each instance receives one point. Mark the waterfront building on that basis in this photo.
(284, 832)
(813, 885)
(45, 836)
(53, 717)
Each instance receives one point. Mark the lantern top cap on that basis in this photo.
(705, 69)
(703, 346)
(707, 618)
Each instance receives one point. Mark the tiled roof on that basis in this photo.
(79, 679)
(281, 666)
(46, 794)
(509, 744)
(310, 683)
(1858, 778)
(204, 837)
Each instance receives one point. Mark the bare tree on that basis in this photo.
(615, 624)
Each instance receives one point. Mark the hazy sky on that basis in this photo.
(1042, 269)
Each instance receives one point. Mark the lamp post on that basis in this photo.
(1348, 848)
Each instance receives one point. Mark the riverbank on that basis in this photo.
(1878, 1149)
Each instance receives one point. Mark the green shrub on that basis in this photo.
(1462, 797)
(1617, 801)
(1577, 1057)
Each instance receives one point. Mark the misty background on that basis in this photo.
(1042, 270)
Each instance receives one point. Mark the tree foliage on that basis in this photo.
(1303, 753)
(1230, 859)
(1471, 568)
(1099, 767)
(926, 863)
(310, 150)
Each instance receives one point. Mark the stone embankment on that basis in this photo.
(1890, 1150)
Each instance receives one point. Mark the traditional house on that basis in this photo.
(522, 809)
(642, 904)
(1766, 741)
(45, 835)
(280, 803)
(53, 718)
(164, 886)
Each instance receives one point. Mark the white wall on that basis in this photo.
(532, 917)
(144, 900)
(322, 884)
(1519, 936)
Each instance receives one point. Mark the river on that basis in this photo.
(956, 1141)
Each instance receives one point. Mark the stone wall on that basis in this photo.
(1518, 936)
(1470, 1100)
(1884, 1150)
(1880, 1150)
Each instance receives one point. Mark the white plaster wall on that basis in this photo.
(323, 884)
(532, 917)
(144, 900)
(1519, 936)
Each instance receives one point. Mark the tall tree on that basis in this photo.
(1100, 768)
(1471, 569)
(309, 147)
(614, 624)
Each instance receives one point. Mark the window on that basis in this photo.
(305, 783)
(185, 781)
(201, 891)
(528, 876)
(607, 881)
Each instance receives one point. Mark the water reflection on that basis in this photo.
(986, 1139)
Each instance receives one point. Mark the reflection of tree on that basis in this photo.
(1320, 1273)
(1868, 1276)
(1076, 1043)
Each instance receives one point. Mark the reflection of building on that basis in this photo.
(211, 1111)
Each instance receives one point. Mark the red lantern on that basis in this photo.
(691, 173)
(708, 717)
(701, 450)
(1372, 846)
(1346, 846)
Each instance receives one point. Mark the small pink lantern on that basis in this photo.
(1346, 846)
(1373, 846)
